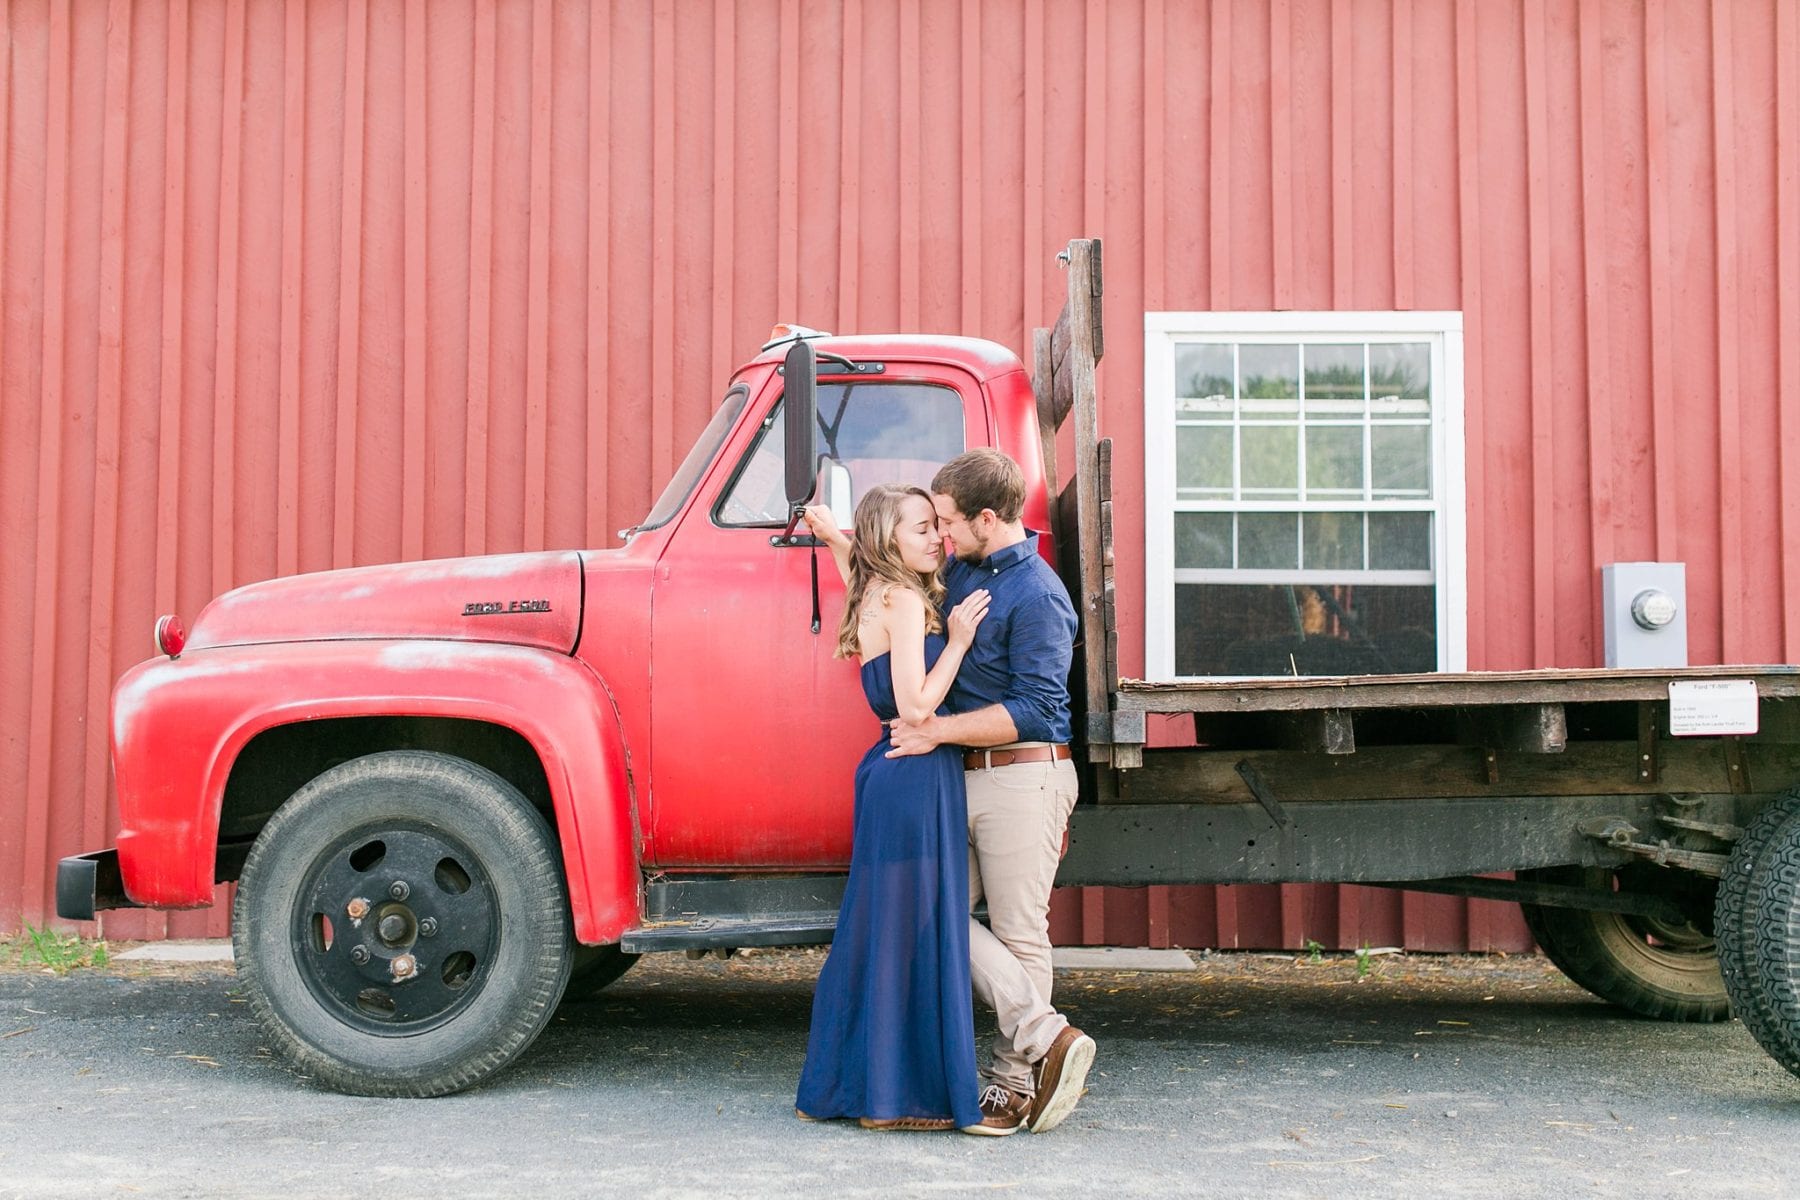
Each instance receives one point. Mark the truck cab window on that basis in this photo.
(675, 494)
(879, 432)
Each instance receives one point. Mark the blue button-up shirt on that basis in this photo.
(1023, 647)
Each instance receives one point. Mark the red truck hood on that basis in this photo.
(519, 599)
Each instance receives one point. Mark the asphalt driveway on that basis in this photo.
(1250, 1076)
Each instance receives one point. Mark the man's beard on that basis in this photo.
(976, 556)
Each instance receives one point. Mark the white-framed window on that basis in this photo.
(1303, 494)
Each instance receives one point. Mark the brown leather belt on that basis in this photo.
(976, 760)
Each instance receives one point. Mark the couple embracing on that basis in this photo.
(965, 797)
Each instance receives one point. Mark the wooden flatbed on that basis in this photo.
(1471, 688)
(1659, 867)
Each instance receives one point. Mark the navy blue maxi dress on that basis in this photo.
(893, 1026)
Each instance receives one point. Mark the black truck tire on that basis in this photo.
(402, 925)
(1773, 945)
(1641, 965)
(1734, 924)
(596, 967)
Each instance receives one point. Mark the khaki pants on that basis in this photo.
(1017, 815)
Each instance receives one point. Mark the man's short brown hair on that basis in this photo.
(983, 478)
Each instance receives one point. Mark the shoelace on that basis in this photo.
(996, 1096)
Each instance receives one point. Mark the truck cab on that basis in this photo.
(753, 727)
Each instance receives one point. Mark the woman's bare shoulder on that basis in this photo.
(902, 599)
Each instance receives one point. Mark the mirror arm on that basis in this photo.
(788, 537)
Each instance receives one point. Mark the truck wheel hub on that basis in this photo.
(363, 961)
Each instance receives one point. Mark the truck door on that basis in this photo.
(755, 727)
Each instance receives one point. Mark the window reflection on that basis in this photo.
(1304, 629)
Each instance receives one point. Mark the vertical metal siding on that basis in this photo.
(294, 284)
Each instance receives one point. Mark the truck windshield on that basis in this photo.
(675, 494)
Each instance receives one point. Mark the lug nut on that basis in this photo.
(398, 889)
(405, 966)
(357, 909)
(359, 955)
(428, 927)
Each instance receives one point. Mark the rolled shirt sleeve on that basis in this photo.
(1022, 651)
(1040, 646)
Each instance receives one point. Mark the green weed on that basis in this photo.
(1362, 961)
(60, 952)
(1313, 950)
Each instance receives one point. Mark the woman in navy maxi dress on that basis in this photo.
(893, 1034)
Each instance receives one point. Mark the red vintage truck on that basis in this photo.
(450, 792)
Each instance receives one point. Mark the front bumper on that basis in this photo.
(88, 883)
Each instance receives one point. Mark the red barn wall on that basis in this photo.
(289, 286)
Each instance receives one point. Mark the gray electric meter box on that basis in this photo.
(1646, 614)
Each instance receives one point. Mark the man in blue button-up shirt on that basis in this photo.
(1011, 701)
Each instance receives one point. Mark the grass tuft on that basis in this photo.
(58, 952)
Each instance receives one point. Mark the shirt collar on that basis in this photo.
(1012, 555)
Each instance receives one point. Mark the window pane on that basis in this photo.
(1203, 371)
(1334, 378)
(879, 432)
(890, 432)
(1364, 629)
(1269, 373)
(1334, 541)
(1268, 541)
(758, 495)
(699, 457)
(1401, 370)
(897, 424)
(1203, 540)
(1271, 459)
(1203, 458)
(1334, 458)
(1401, 460)
(1400, 541)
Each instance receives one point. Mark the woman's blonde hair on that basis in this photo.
(876, 565)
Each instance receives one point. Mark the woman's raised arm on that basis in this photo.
(824, 526)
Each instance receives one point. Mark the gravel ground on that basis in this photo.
(1251, 1076)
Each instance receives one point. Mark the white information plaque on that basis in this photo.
(1711, 707)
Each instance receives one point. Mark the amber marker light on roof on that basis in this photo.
(786, 332)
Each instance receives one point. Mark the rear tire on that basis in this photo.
(1734, 918)
(1773, 945)
(402, 925)
(1642, 965)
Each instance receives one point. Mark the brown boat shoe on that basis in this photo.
(1003, 1112)
(1060, 1075)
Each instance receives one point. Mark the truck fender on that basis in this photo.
(180, 724)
